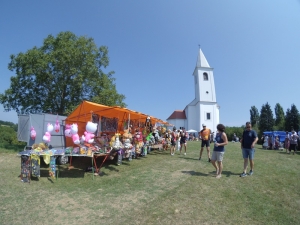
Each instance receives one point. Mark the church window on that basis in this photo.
(208, 116)
(205, 76)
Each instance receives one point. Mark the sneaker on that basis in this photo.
(243, 174)
(251, 172)
(208, 159)
(185, 153)
(199, 158)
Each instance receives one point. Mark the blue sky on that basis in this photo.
(253, 46)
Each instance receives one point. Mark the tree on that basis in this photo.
(292, 119)
(266, 120)
(9, 124)
(56, 77)
(279, 117)
(237, 130)
(8, 135)
(254, 116)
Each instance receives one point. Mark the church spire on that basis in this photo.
(201, 60)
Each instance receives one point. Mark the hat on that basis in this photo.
(203, 125)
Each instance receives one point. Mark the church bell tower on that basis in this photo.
(204, 80)
(204, 108)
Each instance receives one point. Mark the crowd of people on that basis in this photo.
(248, 141)
(290, 143)
(176, 140)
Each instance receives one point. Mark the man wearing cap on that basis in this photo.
(205, 136)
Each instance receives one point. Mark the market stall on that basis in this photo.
(92, 130)
(109, 121)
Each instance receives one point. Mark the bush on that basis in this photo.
(231, 130)
(8, 137)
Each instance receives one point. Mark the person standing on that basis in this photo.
(205, 135)
(212, 137)
(183, 138)
(173, 141)
(293, 142)
(178, 140)
(234, 137)
(219, 149)
(248, 142)
(262, 140)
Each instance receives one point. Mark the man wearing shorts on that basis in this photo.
(248, 142)
(205, 136)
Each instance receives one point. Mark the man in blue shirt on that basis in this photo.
(248, 142)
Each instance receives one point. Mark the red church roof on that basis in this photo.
(177, 114)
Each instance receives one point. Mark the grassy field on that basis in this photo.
(158, 189)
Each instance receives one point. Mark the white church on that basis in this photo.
(204, 108)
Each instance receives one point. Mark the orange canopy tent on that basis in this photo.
(83, 113)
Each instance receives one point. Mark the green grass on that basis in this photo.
(158, 189)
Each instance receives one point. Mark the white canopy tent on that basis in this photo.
(192, 131)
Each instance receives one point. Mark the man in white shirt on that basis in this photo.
(293, 142)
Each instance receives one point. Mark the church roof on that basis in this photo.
(201, 60)
(177, 114)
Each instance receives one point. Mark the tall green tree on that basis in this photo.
(57, 76)
(292, 119)
(266, 119)
(279, 117)
(254, 116)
